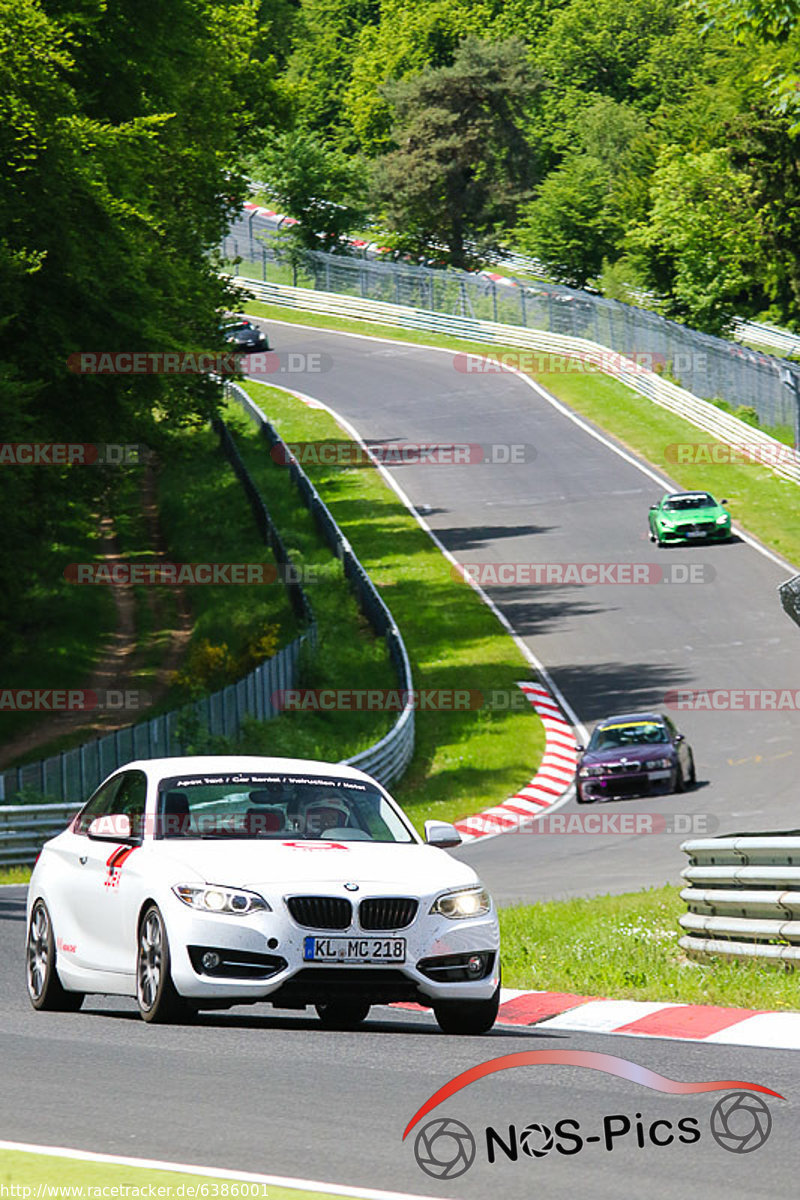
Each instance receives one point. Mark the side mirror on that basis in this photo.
(653, 507)
(680, 737)
(114, 827)
(579, 746)
(442, 834)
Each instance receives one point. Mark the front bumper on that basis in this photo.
(261, 959)
(635, 783)
(700, 532)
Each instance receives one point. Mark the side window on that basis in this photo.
(130, 799)
(101, 804)
(671, 730)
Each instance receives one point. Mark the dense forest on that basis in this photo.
(650, 147)
(646, 147)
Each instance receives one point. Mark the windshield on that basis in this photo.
(279, 807)
(629, 734)
(680, 503)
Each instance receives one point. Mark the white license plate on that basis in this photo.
(696, 533)
(659, 774)
(354, 949)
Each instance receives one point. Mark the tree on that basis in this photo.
(462, 163)
(318, 185)
(406, 40)
(568, 226)
(703, 245)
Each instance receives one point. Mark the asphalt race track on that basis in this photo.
(609, 648)
(275, 1093)
(255, 1091)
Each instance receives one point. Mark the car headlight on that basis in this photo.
(466, 902)
(659, 763)
(212, 899)
(585, 772)
(724, 519)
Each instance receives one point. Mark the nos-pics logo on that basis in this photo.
(446, 1148)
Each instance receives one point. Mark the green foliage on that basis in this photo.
(462, 162)
(704, 238)
(569, 226)
(406, 40)
(318, 185)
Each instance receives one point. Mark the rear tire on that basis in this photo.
(467, 1017)
(680, 782)
(45, 989)
(343, 1014)
(692, 772)
(159, 1002)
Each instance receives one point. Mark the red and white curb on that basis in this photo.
(563, 1011)
(556, 773)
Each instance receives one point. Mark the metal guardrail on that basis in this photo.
(766, 335)
(388, 758)
(746, 439)
(710, 367)
(743, 897)
(77, 772)
(23, 829)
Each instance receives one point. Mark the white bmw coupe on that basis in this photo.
(205, 882)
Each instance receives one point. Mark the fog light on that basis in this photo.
(210, 960)
(475, 964)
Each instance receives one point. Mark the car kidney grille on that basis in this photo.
(620, 768)
(387, 912)
(321, 912)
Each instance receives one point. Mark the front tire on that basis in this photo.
(45, 989)
(467, 1017)
(343, 1014)
(159, 1003)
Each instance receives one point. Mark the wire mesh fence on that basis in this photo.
(74, 774)
(707, 366)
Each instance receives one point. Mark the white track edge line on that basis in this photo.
(605, 440)
(152, 1164)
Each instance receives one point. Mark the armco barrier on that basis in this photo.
(72, 774)
(23, 829)
(388, 758)
(764, 449)
(743, 897)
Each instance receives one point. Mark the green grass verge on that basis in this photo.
(464, 760)
(348, 654)
(765, 505)
(15, 875)
(626, 947)
(24, 1169)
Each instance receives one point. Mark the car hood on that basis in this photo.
(642, 754)
(708, 512)
(267, 864)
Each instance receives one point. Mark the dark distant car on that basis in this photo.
(637, 754)
(245, 336)
(689, 516)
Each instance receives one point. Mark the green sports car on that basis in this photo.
(689, 516)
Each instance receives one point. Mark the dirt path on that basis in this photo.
(121, 661)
